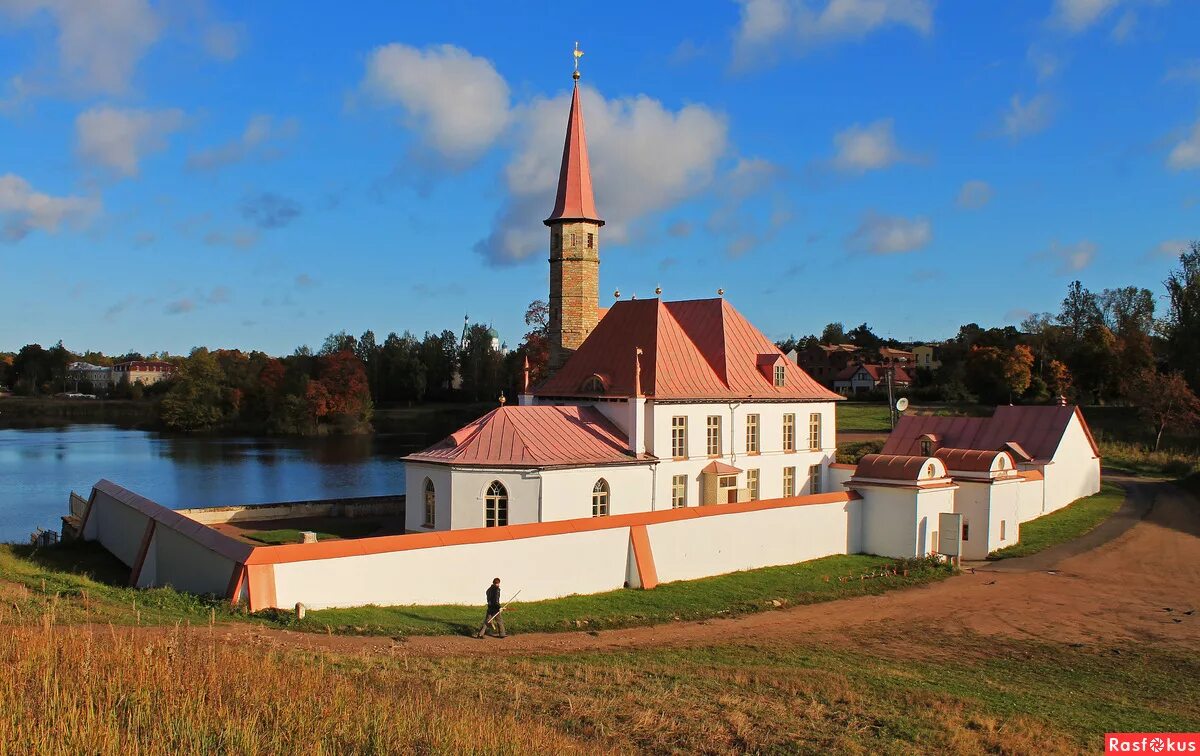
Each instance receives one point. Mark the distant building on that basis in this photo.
(100, 376)
(145, 372)
(824, 361)
(926, 356)
(856, 378)
(889, 356)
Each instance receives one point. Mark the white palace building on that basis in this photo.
(671, 441)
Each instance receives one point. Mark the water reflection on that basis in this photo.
(38, 467)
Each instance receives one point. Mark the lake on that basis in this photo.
(40, 467)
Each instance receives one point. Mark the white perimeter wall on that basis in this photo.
(983, 507)
(695, 548)
(1031, 499)
(172, 559)
(543, 567)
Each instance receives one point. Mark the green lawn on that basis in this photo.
(722, 596)
(862, 417)
(345, 529)
(1066, 524)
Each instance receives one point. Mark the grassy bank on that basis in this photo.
(1138, 459)
(40, 412)
(1066, 524)
(825, 579)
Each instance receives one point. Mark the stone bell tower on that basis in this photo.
(574, 244)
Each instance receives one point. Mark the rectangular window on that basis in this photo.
(752, 434)
(714, 435)
(752, 484)
(591, 240)
(789, 481)
(1002, 529)
(678, 491)
(679, 436)
(789, 432)
(814, 431)
(779, 375)
(572, 240)
(814, 479)
(966, 530)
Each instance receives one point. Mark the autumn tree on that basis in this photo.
(536, 345)
(1018, 365)
(1166, 402)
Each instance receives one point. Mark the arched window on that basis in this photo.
(430, 503)
(600, 498)
(1003, 465)
(495, 505)
(593, 385)
(931, 471)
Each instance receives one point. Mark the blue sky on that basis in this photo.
(258, 175)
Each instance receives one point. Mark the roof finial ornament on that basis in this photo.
(658, 291)
(503, 399)
(616, 293)
(578, 54)
(720, 292)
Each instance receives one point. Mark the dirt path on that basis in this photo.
(1139, 586)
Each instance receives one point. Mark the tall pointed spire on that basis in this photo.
(575, 200)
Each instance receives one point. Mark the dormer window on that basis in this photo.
(926, 447)
(779, 375)
(593, 385)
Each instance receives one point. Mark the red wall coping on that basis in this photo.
(303, 552)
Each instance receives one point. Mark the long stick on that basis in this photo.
(505, 606)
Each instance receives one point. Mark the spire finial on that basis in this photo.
(578, 54)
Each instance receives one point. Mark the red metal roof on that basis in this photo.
(890, 467)
(1036, 429)
(698, 349)
(575, 200)
(969, 460)
(533, 436)
(720, 468)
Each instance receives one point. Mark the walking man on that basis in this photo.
(494, 614)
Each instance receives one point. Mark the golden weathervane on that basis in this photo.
(578, 54)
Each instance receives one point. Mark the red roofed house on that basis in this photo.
(855, 378)
(657, 405)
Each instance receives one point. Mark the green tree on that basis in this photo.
(1080, 311)
(833, 333)
(1182, 325)
(196, 400)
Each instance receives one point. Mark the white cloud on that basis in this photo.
(867, 148)
(99, 43)
(1188, 71)
(1078, 15)
(22, 209)
(644, 158)
(457, 101)
(1186, 154)
(1169, 249)
(1047, 65)
(1071, 258)
(974, 194)
(766, 26)
(1125, 27)
(259, 140)
(749, 176)
(886, 234)
(117, 139)
(1024, 118)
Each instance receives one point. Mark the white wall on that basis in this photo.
(1030, 499)
(836, 477)
(184, 564)
(889, 520)
(542, 567)
(567, 493)
(117, 526)
(931, 502)
(414, 499)
(1075, 471)
(973, 503)
(703, 546)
